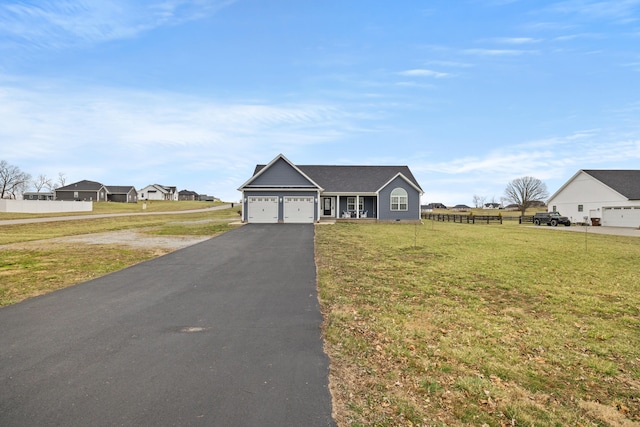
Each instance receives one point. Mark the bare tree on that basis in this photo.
(42, 182)
(12, 180)
(478, 201)
(61, 179)
(525, 191)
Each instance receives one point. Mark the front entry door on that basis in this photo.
(326, 206)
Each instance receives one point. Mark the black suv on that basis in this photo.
(550, 218)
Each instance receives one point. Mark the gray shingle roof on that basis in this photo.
(625, 182)
(84, 185)
(364, 179)
(120, 189)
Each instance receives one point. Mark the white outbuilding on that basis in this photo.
(610, 197)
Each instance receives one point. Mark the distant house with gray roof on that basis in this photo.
(85, 190)
(284, 192)
(158, 192)
(611, 196)
(122, 193)
(92, 191)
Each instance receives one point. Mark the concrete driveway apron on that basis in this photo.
(222, 333)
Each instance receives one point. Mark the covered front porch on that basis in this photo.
(347, 206)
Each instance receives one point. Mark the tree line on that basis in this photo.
(14, 181)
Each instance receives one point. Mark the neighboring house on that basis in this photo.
(89, 191)
(283, 192)
(188, 195)
(122, 193)
(492, 206)
(610, 196)
(36, 195)
(431, 206)
(461, 208)
(158, 192)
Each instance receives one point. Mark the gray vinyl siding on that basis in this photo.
(280, 195)
(84, 196)
(413, 211)
(280, 174)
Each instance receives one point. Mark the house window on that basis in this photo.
(351, 203)
(555, 209)
(580, 208)
(399, 200)
(75, 194)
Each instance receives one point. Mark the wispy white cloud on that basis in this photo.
(59, 24)
(516, 40)
(497, 52)
(621, 11)
(423, 73)
(140, 131)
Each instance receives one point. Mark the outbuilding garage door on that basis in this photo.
(298, 209)
(263, 209)
(628, 216)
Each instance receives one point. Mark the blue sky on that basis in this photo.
(470, 94)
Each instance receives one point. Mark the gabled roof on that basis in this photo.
(120, 189)
(260, 169)
(161, 188)
(83, 185)
(187, 193)
(348, 179)
(625, 182)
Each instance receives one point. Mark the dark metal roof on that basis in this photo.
(345, 179)
(625, 182)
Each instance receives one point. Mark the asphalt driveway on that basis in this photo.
(222, 333)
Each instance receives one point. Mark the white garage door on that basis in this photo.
(298, 209)
(628, 216)
(263, 209)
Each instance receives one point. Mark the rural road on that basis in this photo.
(226, 332)
(95, 216)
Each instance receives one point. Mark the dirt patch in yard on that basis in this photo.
(130, 238)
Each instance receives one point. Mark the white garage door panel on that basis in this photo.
(621, 217)
(263, 209)
(298, 209)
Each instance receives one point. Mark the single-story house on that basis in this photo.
(122, 193)
(287, 193)
(188, 195)
(158, 192)
(38, 195)
(89, 191)
(431, 206)
(492, 205)
(610, 196)
(461, 208)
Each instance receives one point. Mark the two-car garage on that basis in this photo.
(274, 209)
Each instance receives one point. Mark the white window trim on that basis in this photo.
(399, 199)
(351, 203)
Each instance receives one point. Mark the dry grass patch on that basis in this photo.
(26, 273)
(40, 258)
(470, 325)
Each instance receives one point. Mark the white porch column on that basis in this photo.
(357, 206)
(338, 207)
